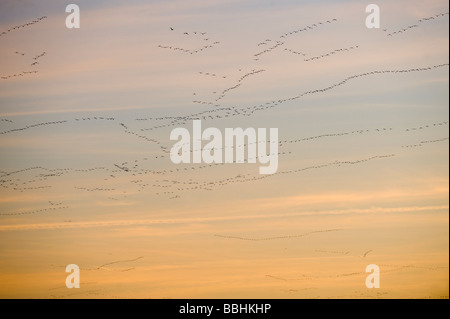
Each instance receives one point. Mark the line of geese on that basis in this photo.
(231, 111)
(23, 25)
(415, 25)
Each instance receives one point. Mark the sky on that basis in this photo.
(86, 177)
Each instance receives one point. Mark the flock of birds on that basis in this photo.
(53, 208)
(386, 269)
(415, 25)
(317, 57)
(198, 47)
(421, 143)
(35, 59)
(234, 111)
(11, 76)
(274, 44)
(278, 237)
(140, 167)
(219, 112)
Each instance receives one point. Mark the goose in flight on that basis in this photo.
(122, 168)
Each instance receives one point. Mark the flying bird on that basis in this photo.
(122, 168)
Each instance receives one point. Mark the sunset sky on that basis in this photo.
(86, 179)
